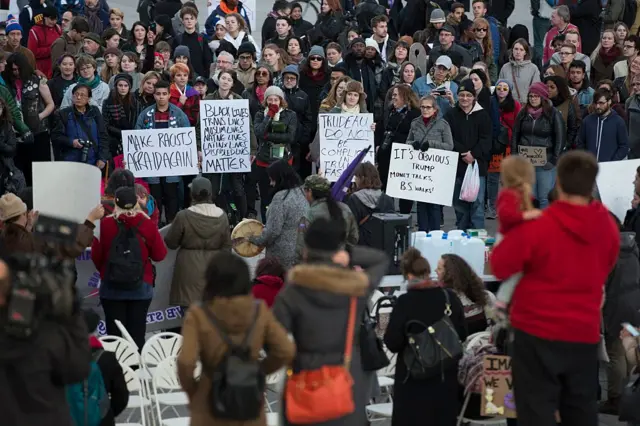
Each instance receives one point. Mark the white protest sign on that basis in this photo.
(428, 176)
(225, 136)
(342, 137)
(161, 152)
(81, 183)
(615, 185)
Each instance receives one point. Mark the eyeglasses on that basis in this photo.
(262, 73)
(315, 58)
(566, 53)
(86, 68)
(225, 62)
(80, 95)
(484, 30)
(290, 78)
(426, 107)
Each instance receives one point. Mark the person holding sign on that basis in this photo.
(275, 127)
(539, 134)
(163, 115)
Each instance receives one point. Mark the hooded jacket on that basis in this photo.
(41, 39)
(363, 203)
(614, 146)
(267, 287)
(34, 372)
(522, 74)
(565, 256)
(319, 293)
(471, 132)
(64, 44)
(203, 343)
(299, 102)
(98, 95)
(198, 233)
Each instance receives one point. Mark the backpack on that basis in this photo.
(237, 382)
(629, 14)
(125, 266)
(88, 400)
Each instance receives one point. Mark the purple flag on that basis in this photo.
(341, 186)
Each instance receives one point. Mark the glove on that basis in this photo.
(424, 146)
(416, 144)
(27, 137)
(273, 109)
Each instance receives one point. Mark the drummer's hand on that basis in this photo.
(238, 241)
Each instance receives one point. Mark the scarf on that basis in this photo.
(91, 83)
(298, 59)
(347, 110)
(260, 93)
(319, 76)
(610, 56)
(534, 112)
(226, 9)
(427, 120)
(92, 16)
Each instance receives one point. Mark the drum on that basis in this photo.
(247, 228)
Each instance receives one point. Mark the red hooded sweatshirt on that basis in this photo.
(565, 257)
(40, 40)
(266, 287)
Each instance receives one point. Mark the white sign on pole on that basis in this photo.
(342, 138)
(225, 136)
(161, 152)
(615, 185)
(428, 176)
(248, 5)
(81, 183)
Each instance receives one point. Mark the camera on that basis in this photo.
(43, 283)
(387, 141)
(441, 92)
(86, 146)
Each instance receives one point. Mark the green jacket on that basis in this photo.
(14, 110)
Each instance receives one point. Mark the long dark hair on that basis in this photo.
(508, 104)
(562, 88)
(126, 100)
(254, 85)
(459, 276)
(335, 212)
(284, 176)
(26, 70)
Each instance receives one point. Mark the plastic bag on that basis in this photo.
(471, 183)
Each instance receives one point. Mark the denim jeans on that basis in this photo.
(540, 28)
(545, 181)
(428, 217)
(469, 215)
(493, 184)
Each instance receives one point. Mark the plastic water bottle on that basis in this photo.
(472, 250)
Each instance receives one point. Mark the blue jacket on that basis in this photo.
(217, 14)
(606, 138)
(496, 38)
(147, 120)
(424, 85)
(67, 128)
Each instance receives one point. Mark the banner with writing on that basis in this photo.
(497, 387)
(225, 136)
(161, 152)
(342, 137)
(537, 155)
(427, 176)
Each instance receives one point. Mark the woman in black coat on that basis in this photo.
(11, 178)
(397, 124)
(262, 79)
(120, 111)
(435, 398)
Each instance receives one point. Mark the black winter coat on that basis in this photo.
(168, 7)
(298, 102)
(254, 102)
(632, 222)
(301, 27)
(435, 399)
(548, 131)
(117, 118)
(471, 132)
(313, 89)
(622, 291)
(364, 72)
(364, 12)
(268, 135)
(330, 25)
(502, 9)
(585, 16)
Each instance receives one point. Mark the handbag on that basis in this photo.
(372, 352)
(316, 396)
(434, 349)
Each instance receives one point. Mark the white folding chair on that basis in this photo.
(273, 384)
(379, 412)
(273, 419)
(125, 334)
(134, 385)
(165, 378)
(158, 348)
(126, 352)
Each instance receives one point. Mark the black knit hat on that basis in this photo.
(325, 236)
(247, 47)
(164, 21)
(467, 86)
(126, 198)
(123, 76)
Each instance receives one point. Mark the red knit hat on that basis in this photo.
(540, 89)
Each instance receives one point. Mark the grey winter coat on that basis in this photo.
(286, 210)
(633, 125)
(437, 133)
(197, 233)
(522, 75)
(319, 293)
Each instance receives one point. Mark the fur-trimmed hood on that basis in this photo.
(328, 280)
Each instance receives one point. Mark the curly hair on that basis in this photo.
(459, 276)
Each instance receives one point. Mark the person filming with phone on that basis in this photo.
(439, 83)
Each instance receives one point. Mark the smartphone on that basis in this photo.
(631, 329)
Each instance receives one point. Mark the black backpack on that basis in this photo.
(630, 10)
(125, 266)
(237, 382)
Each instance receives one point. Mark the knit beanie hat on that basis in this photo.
(95, 37)
(11, 206)
(112, 51)
(181, 50)
(467, 86)
(247, 47)
(273, 91)
(126, 198)
(540, 89)
(372, 43)
(123, 76)
(13, 24)
(317, 51)
(437, 16)
(164, 21)
(507, 82)
(356, 40)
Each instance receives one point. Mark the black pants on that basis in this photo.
(166, 195)
(258, 176)
(186, 181)
(229, 183)
(131, 313)
(551, 375)
(27, 154)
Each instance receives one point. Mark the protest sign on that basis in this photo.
(161, 152)
(615, 185)
(225, 136)
(537, 155)
(427, 176)
(497, 387)
(342, 137)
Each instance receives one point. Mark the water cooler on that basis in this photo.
(390, 232)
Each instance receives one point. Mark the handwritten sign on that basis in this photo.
(225, 136)
(497, 387)
(161, 152)
(615, 185)
(427, 176)
(342, 137)
(536, 154)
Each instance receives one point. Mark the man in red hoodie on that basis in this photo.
(565, 257)
(41, 37)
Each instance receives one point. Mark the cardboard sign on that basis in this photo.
(615, 185)
(161, 152)
(342, 138)
(496, 398)
(225, 136)
(427, 176)
(537, 155)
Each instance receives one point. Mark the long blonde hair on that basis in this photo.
(518, 173)
(332, 98)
